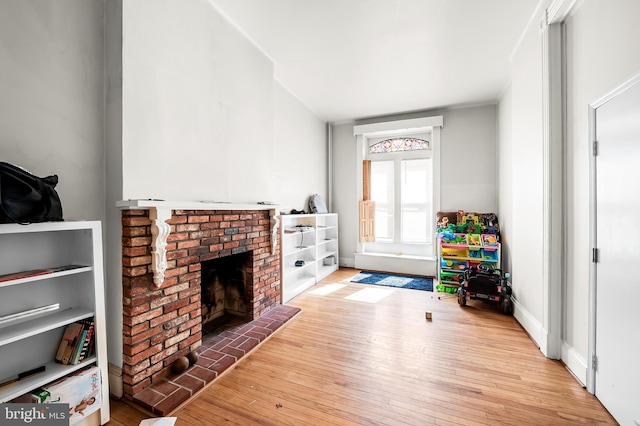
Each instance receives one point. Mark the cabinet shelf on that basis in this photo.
(328, 253)
(452, 270)
(293, 269)
(14, 332)
(41, 274)
(321, 239)
(326, 241)
(53, 371)
(294, 231)
(298, 250)
(475, 259)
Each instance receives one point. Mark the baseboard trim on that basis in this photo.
(115, 381)
(347, 262)
(575, 363)
(531, 326)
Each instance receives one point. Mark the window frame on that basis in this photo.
(397, 159)
(368, 134)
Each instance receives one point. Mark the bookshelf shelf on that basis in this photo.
(319, 234)
(41, 274)
(51, 275)
(53, 371)
(23, 330)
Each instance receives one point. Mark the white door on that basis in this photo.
(617, 322)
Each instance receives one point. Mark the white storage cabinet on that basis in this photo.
(70, 294)
(312, 241)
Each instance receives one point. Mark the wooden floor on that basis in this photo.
(352, 362)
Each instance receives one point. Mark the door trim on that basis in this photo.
(553, 188)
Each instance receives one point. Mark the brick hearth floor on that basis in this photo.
(216, 355)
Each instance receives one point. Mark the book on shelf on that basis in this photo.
(90, 349)
(76, 342)
(36, 272)
(78, 349)
(86, 344)
(84, 339)
(69, 339)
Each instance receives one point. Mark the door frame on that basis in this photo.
(593, 243)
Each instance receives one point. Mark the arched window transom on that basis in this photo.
(399, 145)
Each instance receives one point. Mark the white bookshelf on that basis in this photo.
(312, 239)
(74, 290)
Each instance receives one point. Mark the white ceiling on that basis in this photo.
(350, 59)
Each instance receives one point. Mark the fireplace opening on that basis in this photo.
(224, 292)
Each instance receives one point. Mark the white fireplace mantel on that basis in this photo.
(160, 211)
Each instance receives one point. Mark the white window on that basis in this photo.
(416, 200)
(383, 193)
(401, 187)
(404, 186)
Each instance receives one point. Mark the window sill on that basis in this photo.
(404, 264)
(397, 256)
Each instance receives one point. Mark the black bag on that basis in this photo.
(25, 198)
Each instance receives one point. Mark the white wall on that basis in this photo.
(506, 169)
(51, 97)
(468, 167)
(345, 190)
(200, 110)
(300, 151)
(525, 192)
(602, 52)
(198, 105)
(113, 152)
(469, 159)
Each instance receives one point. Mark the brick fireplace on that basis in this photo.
(162, 303)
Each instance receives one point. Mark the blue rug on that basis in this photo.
(394, 280)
